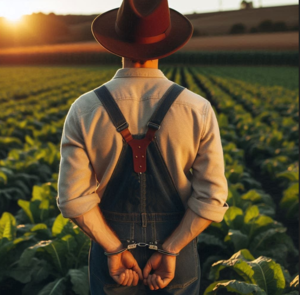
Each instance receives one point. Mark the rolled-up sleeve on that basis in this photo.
(77, 183)
(210, 188)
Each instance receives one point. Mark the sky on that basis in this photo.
(15, 8)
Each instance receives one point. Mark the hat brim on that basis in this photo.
(103, 29)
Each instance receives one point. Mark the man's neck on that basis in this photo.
(150, 64)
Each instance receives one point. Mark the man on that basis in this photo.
(142, 168)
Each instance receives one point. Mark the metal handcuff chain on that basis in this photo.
(151, 246)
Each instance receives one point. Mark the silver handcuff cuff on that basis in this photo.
(152, 246)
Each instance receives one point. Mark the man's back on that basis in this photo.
(188, 138)
(184, 159)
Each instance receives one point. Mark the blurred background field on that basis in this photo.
(244, 61)
(41, 38)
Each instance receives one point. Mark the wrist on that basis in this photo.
(170, 248)
(114, 248)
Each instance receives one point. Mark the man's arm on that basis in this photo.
(189, 228)
(206, 204)
(123, 267)
(93, 224)
(77, 185)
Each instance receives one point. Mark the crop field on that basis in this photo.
(254, 250)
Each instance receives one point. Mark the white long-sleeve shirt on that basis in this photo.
(189, 138)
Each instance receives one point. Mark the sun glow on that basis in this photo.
(13, 16)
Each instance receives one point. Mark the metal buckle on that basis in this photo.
(153, 125)
(122, 126)
(141, 244)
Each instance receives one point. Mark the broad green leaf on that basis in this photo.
(3, 177)
(25, 205)
(35, 210)
(5, 247)
(235, 287)
(44, 209)
(206, 265)
(290, 175)
(263, 271)
(234, 198)
(258, 197)
(82, 250)
(251, 213)
(36, 270)
(70, 242)
(39, 226)
(265, 209)
(261, 223)
(7, 226)
(234, 217)
(237, 238)
(80, 280)
(59, 224)
(56, 251)
(258, 240)
(268, 275)
(290, 201)
(210, 240)
(240, 266)
(38, 193)
(252, 195)
(54, 288)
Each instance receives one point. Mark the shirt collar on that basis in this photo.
(139, 72)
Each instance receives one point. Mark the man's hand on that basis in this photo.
(164, 271)
(124, 269)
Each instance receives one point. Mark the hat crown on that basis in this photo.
(146, 7)
(143, 18)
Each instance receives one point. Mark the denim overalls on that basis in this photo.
(142, 204)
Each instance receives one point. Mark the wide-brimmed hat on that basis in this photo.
(142, 29)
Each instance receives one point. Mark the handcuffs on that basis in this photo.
(132, 245)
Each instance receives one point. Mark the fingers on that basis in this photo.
(119, 279)
(128, 278)
(137, 269)
(162, 283)
(135, 279)
(153, 282)
(147, 270)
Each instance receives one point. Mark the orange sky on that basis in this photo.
(21, 7)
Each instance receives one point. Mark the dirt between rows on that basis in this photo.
(270, 41)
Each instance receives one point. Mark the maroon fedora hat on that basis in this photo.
(142, 29)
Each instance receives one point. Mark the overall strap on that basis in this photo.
(113, 111)
(138, 146)
(120, 122)
(166, 101)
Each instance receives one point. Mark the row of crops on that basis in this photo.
(252, 251)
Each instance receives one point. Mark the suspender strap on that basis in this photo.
(112, 108)
(166, 101)
(120, 122)
(114, 112)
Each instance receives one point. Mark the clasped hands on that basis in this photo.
(124, 269)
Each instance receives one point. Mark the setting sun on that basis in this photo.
(13, 15)
(14, 18)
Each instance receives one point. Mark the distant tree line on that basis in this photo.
(39, 29)
(266, 26)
